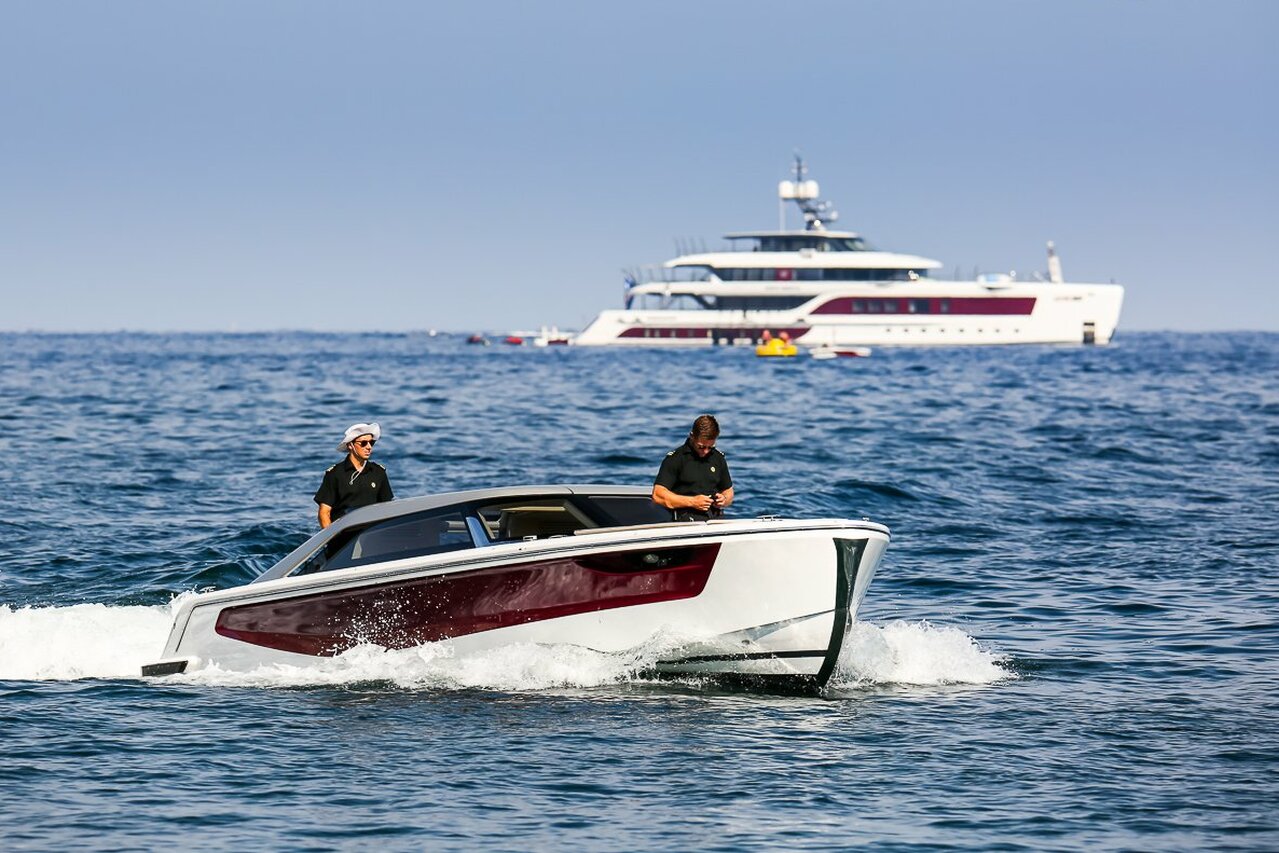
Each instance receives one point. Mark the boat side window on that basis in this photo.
(415, 535)
(533, 518)
(626, 510)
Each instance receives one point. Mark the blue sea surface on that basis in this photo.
(1072, 642)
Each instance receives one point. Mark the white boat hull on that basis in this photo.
(760, 600)
(1054, 313)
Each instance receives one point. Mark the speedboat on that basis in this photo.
(828, 352)
(552, 337)
(834, 288)
(761, 601)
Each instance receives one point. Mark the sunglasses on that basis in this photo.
(365, 442)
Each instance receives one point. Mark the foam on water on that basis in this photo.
(99, 641)
(80, 641)
(917, 653)
(518, 667)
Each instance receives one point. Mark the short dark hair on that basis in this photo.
(705, 427)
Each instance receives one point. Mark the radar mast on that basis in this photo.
(805, 193)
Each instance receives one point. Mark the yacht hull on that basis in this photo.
(909, 313)
(763, 601)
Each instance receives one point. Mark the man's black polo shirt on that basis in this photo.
(684, 473)
(343, 490)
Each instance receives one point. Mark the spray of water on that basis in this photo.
(916, 653)
(98, 641)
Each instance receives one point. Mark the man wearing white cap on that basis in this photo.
(355, 481)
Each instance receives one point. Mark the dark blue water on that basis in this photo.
(1073, 642)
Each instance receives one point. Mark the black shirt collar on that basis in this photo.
(692, 451)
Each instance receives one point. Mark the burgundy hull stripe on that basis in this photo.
(961, 307)
(710, 333)
(408, 613)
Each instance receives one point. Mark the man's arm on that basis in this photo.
(663, 496)
(724, 498)
(325, 515)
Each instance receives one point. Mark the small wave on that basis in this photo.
(883, 489)
(915, 653)
(621, 459)
(1115, 453)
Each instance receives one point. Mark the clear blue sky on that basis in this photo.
(405, 165)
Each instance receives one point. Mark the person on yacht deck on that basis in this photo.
(356, 481)
(693, 481)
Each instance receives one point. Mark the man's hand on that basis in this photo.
(701, 503)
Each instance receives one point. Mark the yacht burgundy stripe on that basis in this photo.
(957, 306)
(407, 613)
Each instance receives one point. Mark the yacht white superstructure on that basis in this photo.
(832, 288)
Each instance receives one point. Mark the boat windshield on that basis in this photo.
(460, 527)
(416, 535)
(798, 242)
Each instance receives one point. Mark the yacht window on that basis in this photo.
(537, 518)
(789, 244)
(760, 303)
(689, 273)
(625, 510)
(418, 535)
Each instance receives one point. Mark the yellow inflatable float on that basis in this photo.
(775, 347)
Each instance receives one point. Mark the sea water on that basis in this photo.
(1072, 642)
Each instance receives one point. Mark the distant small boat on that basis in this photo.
(776, 348)
(839, 352)
(478, 339)
(552, 337)
(513, 340)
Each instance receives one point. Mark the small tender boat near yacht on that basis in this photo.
(823, 353)
(761, 601)
(832, 288)
(776, 348)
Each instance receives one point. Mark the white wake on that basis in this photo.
(915, 653)
(100, 641)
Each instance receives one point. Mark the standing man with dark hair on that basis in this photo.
(693, 481)
(355, 481)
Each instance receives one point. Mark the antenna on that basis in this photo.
(817, 213)
(1054, 265)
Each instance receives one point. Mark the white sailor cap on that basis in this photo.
(354, 431)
